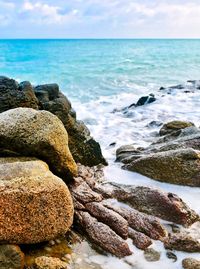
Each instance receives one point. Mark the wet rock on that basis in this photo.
(83, 147)
(190, 263)
(151, 255)
(44, 262)
(13, 94)
(172, 126)
(152, 201)
(39, 134)
(11, 257)
(144, 100)
(170, 255)
(37, 205)
(140, 240)
(180, 166)
(182, 242)
(126, 151)
(102, 235)
(154, 123)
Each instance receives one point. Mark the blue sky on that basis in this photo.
(99, 19)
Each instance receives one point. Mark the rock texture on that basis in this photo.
(190, 263)
(11, 257)
(172, 126)
(180, 166)
(36, 206)
(40, 134)
(48, 97)
(108, 223)
(44, 262)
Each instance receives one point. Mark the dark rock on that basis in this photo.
(180, 166)
(151, 255)
(154, 123)
(11, 257)
(170, 255)
(190, 263)
(13, 95)
(112, 144)
(182, 242)
(146, 100)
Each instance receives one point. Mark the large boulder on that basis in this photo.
(83, 147)
(180, 166)
(13, 94)
(48, 97)
(36, 205)
(40, 134)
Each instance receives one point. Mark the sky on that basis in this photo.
(99, 19)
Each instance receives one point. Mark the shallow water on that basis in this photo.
(99, 76)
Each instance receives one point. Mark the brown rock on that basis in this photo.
(182, 242)
(190, 263)
(102, 235)
(140, 240)
(180, 166)
(44, 262)
(175, 125)
(151, 255)
(35, 206)
(39, 134)
(11, 257)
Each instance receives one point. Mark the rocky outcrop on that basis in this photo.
(11, 257)
(48, 97)
(40, 134)
(190, 263)
(172, 126)
(37, 205)
(173, 158)
(13, 94)
(180, 166)
(108, 223)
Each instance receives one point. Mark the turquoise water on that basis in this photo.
(87, 69)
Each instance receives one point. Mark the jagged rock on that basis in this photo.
(190, 263)
(155, 202)
(172, 126)
(182, 242)
(44, 262)
(180, 166)
(37, 206)
(40, 134)
(102, 235)
(13, 94)
(151, 255)
(11, 257)
(83, 147)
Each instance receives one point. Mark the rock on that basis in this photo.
(102, 235)
(182, 242)
(11, 257)
(172, 126)
(190, 263)
(151, 255)
(39, 134)
(125, 151)
(13, 94)
(139, 239)
(83, 147)
(37, 205)
(180, 166)
(170, 255)
(144, 100)
(44, 262)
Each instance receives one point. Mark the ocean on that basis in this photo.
(103, 76)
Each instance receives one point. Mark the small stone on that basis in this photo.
(11, 257)
(151, 255)
(172, 256)
(49, 263)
